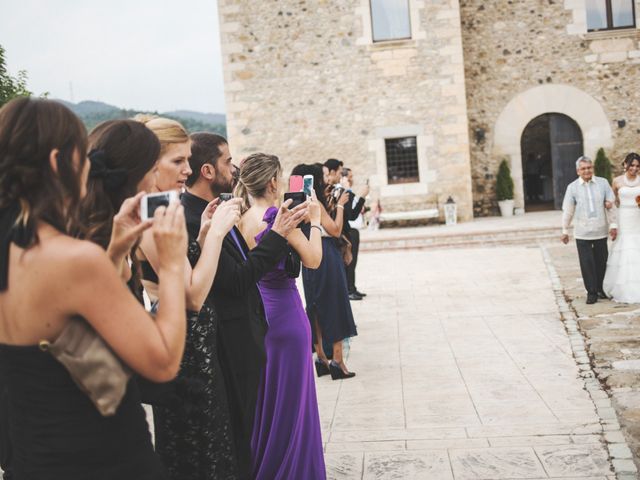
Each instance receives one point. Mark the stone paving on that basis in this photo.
(612, 333)
(465, 371)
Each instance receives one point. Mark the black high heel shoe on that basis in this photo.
(337, 373)
(322, 368)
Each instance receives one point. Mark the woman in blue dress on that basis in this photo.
(325, 288)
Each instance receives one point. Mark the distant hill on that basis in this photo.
(213, 118)
(92, 113)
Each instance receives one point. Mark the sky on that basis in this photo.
(142, 54)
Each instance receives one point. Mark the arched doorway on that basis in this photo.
(529, 104)
(550, 145)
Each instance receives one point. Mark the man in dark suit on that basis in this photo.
(235, 295)
(339, 176)
(352, 211)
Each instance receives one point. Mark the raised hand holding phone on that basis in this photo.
(287, 220)
(205, 219)
(344, 198)
(170, 237)
(226, 216)
(315, 213)
(127, 228)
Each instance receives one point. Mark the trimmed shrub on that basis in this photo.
(602, 166)
(504, 186)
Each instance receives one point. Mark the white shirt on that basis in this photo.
(358, 223)
(584, 203)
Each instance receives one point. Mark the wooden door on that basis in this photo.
(566, 147)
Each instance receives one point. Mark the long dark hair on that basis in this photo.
(122, 152)
(29, 130)
(628, 160)
(318, 179)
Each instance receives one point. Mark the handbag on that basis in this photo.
(292, 264)
(345, 250)
(93, 366)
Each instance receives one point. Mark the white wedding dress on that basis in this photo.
(622, 277)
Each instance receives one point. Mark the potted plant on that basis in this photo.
(602, 166)
(504, 189)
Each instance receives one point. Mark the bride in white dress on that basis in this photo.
(622, 277)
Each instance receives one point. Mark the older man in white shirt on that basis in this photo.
(589, 201)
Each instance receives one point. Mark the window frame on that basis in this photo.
(609, 27)
(410, 180)
(396, 39)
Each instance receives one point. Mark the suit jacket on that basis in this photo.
(351, 212)
(242, 324)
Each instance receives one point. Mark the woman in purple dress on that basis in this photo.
(287, 442)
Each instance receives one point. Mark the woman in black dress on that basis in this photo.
(325, 289)
(192, 426)
(48, 277)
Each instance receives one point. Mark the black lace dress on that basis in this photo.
(192, 430)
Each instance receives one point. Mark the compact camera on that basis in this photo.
(150, 202)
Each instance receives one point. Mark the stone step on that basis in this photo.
(531, 236)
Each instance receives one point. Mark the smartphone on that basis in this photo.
(297, 197)
(225, 197)
(307, 185)
(150, 202)
(295, 183)
(338, 191)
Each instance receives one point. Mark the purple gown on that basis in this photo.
(287, 442)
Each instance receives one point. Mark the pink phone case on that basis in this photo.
(295, 183)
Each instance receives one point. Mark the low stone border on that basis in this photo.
(619, 452)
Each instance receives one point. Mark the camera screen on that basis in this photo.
(308, 186)
(156, 201)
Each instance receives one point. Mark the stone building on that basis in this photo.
(426, 97)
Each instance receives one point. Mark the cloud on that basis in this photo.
(154, 55)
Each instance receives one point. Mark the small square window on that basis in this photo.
(402, 160)
(390, 20)
(610, 14)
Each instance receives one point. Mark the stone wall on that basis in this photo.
(304, 80)
(512, 47)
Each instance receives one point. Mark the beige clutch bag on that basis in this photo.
(93, 366)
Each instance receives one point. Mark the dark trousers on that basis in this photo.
(593, 256)
(354, 238)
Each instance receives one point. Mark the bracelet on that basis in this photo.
(340, 206)
(318, 227)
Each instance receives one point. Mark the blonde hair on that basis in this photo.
(256, 171)
(168, 131)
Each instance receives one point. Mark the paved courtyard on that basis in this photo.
(465, 371)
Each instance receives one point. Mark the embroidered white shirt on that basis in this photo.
(584, 204)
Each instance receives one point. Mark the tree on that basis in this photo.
(504, 186)
(11, 87)
(602, 166)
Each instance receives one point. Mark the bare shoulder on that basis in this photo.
(251, 223)
(74, 255)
